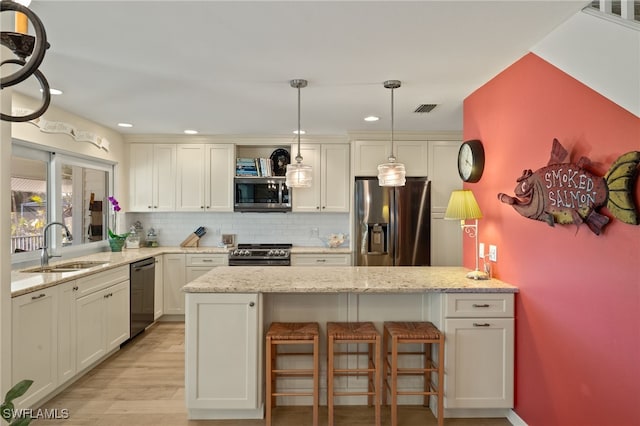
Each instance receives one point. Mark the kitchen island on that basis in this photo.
(229, 308)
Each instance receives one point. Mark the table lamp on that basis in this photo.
(463, 206)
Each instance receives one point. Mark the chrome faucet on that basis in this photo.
(44, 254)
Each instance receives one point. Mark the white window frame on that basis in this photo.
(54, 160)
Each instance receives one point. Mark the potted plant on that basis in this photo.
(116, 241)
(7, 409)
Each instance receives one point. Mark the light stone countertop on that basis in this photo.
(342, 279)
(320, 250)
(26, 282)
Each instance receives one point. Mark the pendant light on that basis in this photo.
(298, 175)
(391, 173)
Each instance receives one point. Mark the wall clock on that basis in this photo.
(471, 161)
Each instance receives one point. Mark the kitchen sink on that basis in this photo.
(65, 267)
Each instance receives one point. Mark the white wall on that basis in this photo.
(62, 142)
(598, 63)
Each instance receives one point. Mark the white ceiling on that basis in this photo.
(224, 67)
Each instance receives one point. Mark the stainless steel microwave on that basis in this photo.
(261, 194)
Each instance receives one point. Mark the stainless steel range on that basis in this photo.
(261, 255)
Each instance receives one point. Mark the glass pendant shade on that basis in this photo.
(298, 175)
(391, 174)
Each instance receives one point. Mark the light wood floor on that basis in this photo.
(143, 384)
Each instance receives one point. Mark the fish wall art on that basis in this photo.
(566, 193)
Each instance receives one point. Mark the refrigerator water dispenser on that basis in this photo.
(377, 238)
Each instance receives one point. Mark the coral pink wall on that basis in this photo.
(578, 310)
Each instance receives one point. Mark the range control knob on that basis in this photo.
(236, 252)
(246, 252)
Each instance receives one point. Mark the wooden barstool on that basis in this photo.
(426, 333)
(290, 333)
(354, 333)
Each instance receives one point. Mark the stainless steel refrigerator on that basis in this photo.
(393, 224)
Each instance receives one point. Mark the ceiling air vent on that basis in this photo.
(425, 108)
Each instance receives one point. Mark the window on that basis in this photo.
(84, 188)
(29, 195)
(47, 187)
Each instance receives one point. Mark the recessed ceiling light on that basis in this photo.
(190, 132)
(54, 91)
(302, 132)
(371, 118)
(125, 125)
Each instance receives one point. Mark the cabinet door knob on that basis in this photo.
(252, 304)
(75, 288)
(317, 207)
(484, 324)
(202, 207)
(324, 207)
(149, 207)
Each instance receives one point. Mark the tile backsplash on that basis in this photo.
(300, 229)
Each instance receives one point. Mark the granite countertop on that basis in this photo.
(343, 279)
(320, 250)
(26, 282)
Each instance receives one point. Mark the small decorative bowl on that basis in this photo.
(335, 240)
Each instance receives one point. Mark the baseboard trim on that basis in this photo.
(515, 419)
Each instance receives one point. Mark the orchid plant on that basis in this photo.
(116, 208)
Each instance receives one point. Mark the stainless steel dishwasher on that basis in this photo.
(142, 278)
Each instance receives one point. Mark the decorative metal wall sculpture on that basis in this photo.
(567, 193)
(25, 46)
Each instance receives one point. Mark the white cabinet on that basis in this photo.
(158, 290)
(446, 235)
(369, 154)
(223, 365)
(102, 313)
(152, 177)
(174, 279)
(200, 264)
(329, 191)
(479, 355)
(190, 177)
(67, 324)
(117, 314)
(220, 169)
(34, 343)
(205, 177)
(326, 259)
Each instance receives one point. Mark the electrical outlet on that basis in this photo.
(315, 232)
(481, 250)
(493, 253)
